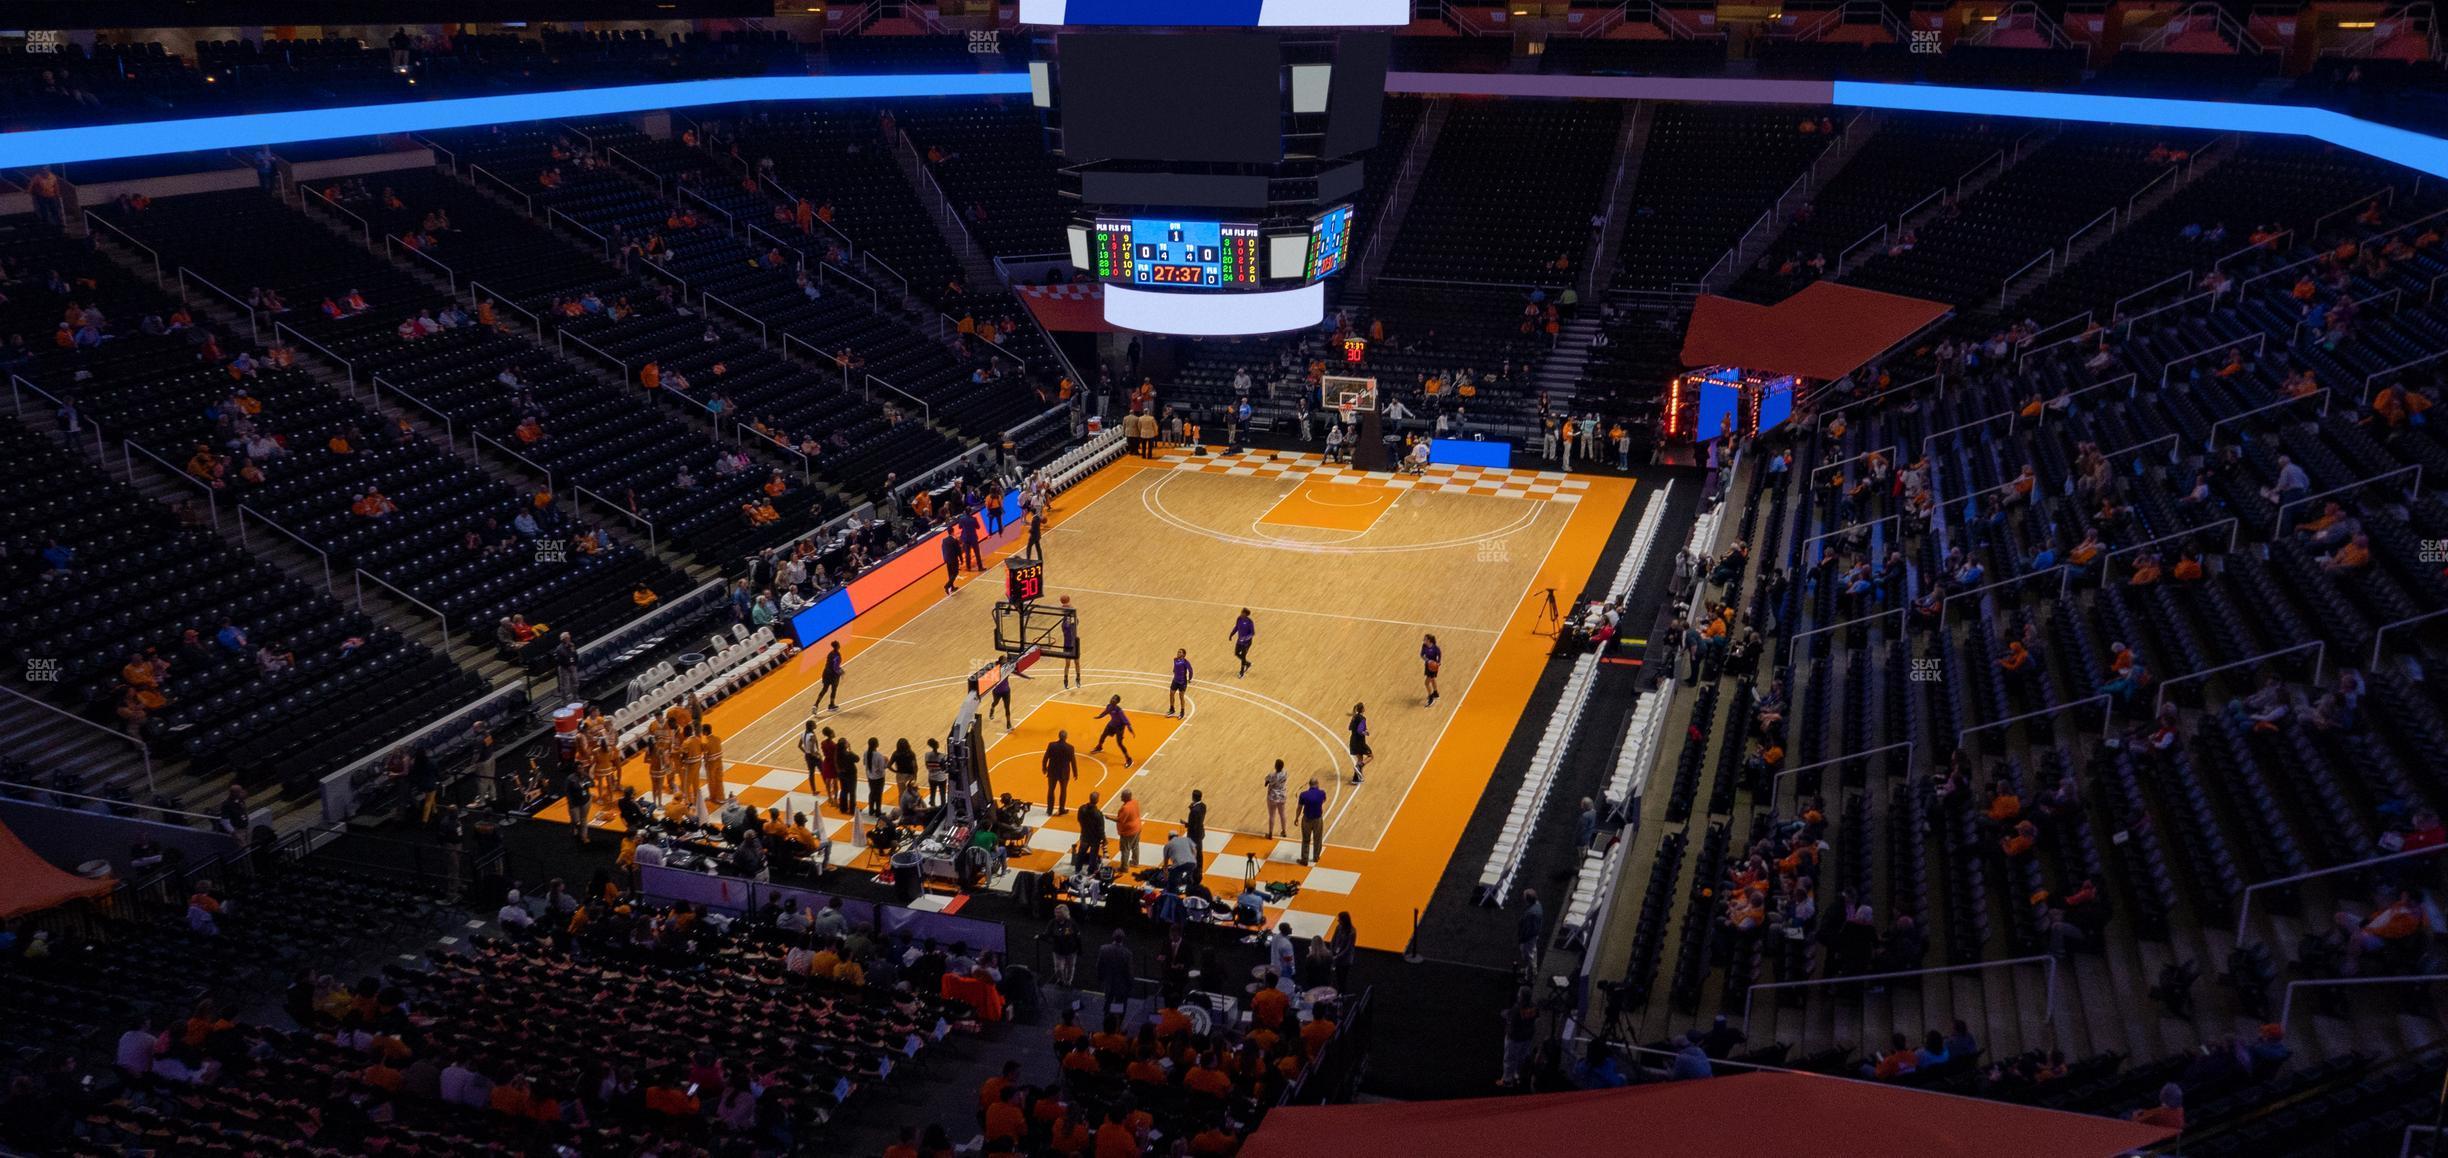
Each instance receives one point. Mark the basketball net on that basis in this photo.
(1352, 395)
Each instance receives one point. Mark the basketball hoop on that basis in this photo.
(1352, 396)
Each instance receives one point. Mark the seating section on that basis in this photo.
(453, 540)
(842, 162)
(1707, 174)
(1508, 191)
(1908, 160)
(992, 162)
(2055, 189)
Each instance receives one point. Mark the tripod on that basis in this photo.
(1548, 615)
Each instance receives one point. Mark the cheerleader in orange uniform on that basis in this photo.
(711, 767)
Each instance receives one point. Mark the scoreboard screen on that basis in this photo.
(1152, 251)
(1329, 238)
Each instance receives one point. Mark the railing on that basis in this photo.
(653, 544)
(2270, 243)
(364, 226)
(17, 388)
(743, 432)
(2279, 524)
(1866, 399)
(1872, 617)
(143, 753)
(566, 338)
(1891, 450)
(1916, 207)
(2048, 1013)
(2171, 437)
(583, 227)
(2229, 522)
(391, 242)
(2107, 718)
(2033, 345)
(2286, 1006)
(507, 187)
(2063, 572)
(155, 254)
(730, 222)
(2110, 217)
(678, 282)
(2049, 259)
(2321, 393)
(874, 263)
(339, 789)
(245, 510)
(644, 626)
(1997, 158)
(36, 793)
(254, 330)
(477, 293)
(347, 367)
(924, 410)
(448, 648)
(764, 336)
(2316, 258)
(1832, 761)
(662, 186)
(2385, 195)
(2008, 415)
(2385, 628)
(477, 437)
(127, 464)
(1846, 254)
(2178, 304)
(2147, 186)
(1847, 530)
(450, 431)
(2374, 378)
(2244, 905)
(2258, 338)
(2320, 654)
(2186, 278)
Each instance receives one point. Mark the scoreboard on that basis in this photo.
(1154, 251)
(1329, 238)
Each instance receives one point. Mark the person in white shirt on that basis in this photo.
(514, 917)
(137, 1049)
(1282, 958)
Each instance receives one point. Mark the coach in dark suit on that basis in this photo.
(1059, 764)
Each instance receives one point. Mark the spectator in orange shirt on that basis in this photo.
(1005, 1119)
(1114, 1139)
(990, 1091)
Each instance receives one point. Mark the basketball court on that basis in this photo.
(1343, 572)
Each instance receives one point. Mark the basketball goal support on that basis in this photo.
(1355, 403)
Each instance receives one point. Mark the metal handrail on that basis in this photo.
(870, 260)
(2048, 1013)
(2033, 345)
(212, 501)
(141, 750)
(2279, 524)
(2004, 285)
(2107, 721)
(1915, 384)
(2185, 276)
(807, 466)
(924, 410)
(1893, 451)
(392, 241)
(1918, 206)
(254, 329)
(364, 226)
(2180, 303)
(2063, 572)
(2386, 195)
(2153, 183)
(2286, 1006)
(2170, 436)
(590, 231)
(662, 186)
(2229, 522)
(659, 270)
(728, 217)
(1983, 163)
(2269, 243)
(91, 220)
(478, 436)
(278, 328)
(448, 648)
(245, 510)
(1878, 234)
(1875, 615)
(622, 636)
(2385, 628)
(17, 405)
(566, 337)
(2322, 393)
(450, 430)
(653, 546)
(2009, 415)
(2320, 656)
(35, 791)
(514, 190)
(1831, 761)
(2258, 338)
(764, 335)
(2110, 217)
(2374, 378)
(2244, 904)
(1846, 530)
(477, 293)
(2301, 262)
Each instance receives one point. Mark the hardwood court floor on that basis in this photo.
(1342, 572)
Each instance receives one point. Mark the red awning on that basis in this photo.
(1825, 332)
(28, 883)
(1757, 1113)
(1067, 309)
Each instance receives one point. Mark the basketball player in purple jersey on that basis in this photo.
(1177, 699)
(1070, 644)
(1117, 725)
(1244, 632)
(1432, 658)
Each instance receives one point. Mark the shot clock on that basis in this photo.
(1023, 579)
